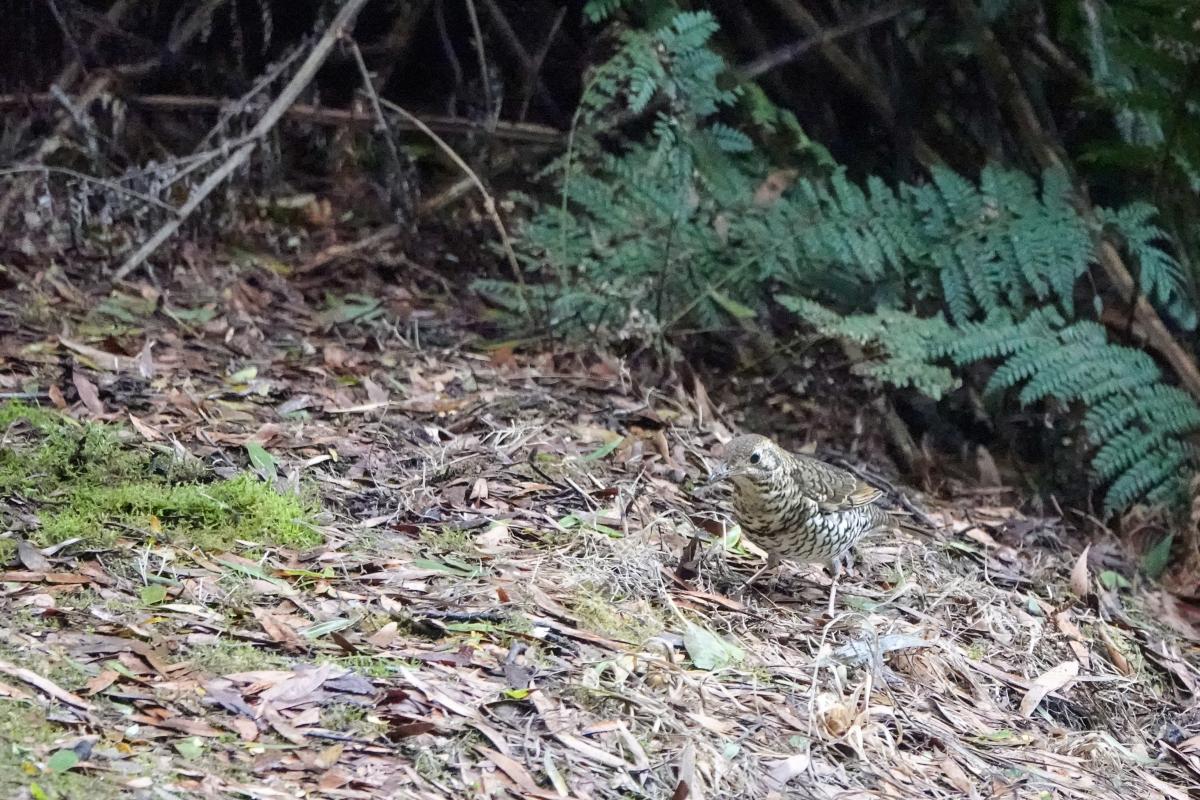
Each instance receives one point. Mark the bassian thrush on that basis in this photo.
(799, 508)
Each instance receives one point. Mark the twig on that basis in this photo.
(393, 151)
(532, 65)
(489, 203)
(97, 86)
(538, 60)
(439, 19)
(398, 38)
(229, 110)
(391, 231)
(1048, 152)
(107, 184)
(790, 52)
(855, 76)
(493, 114)
(272, 115)
(528, 133)
(51, 143)
(68, 36)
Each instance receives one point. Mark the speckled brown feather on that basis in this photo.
(797, 507)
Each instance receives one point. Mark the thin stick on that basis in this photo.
(532, 65)
(790, 52)
(107, 184)
(489, 203)
(534, 81)
(393, 151)
(493, 114)
(525, 132)
(272, 115)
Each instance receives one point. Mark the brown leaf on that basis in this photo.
(1049, 681)
(1115, 655)
(989, 474)
(516, 772)
(298, 688)
(375, 392)
(956, 776)
(31, 557)
(102, 360)
(480, 490)
(385, 635)
(46, 685)
(773, 187)
(1075, 638)
(329, 756)
(1080, 583)
(780, 772)
(279, 630)
(145, 431)
(87, 393)
(15, 692)
(145, 360)
(400, 730)
(285, 730)
(100, 682)
(56, 397)
(184, 725)
(502, 356)
(245, 728)
(335, 356)
(332, 780)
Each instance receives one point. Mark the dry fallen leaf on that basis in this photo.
(956, 776)
(56, 397)
(245, 728)
(773, 186)
(1080, 584)
(1115, 655)
(87, 393)
(31, 557)
(385, 635)
(780, 772)
(147, 432)
(1049, 681)
(102, 360)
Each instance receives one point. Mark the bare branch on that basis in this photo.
(273, 114)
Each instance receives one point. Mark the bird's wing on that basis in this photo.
(832, 489)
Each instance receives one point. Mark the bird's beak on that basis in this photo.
(718, 473)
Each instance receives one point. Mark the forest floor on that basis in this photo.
(471, 583)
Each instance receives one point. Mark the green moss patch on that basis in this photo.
(84, 480)
(30, 765)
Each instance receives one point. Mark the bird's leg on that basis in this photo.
(772, 563)
(835, 572)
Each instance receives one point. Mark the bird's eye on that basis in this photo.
(755, 458)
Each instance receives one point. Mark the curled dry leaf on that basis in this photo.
(1080, 583)
(773, 187)
(1115, 654)
(56, 397)
(31, 557)
(87, 393)
(956, 776)
(835, 715)
(102, 360)
(145, 431)
(1049, 681)
(780, 772)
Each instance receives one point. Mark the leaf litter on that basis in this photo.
(496, 606)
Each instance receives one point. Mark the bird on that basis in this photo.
(797, 507)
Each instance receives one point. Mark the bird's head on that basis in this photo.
(750, 457)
